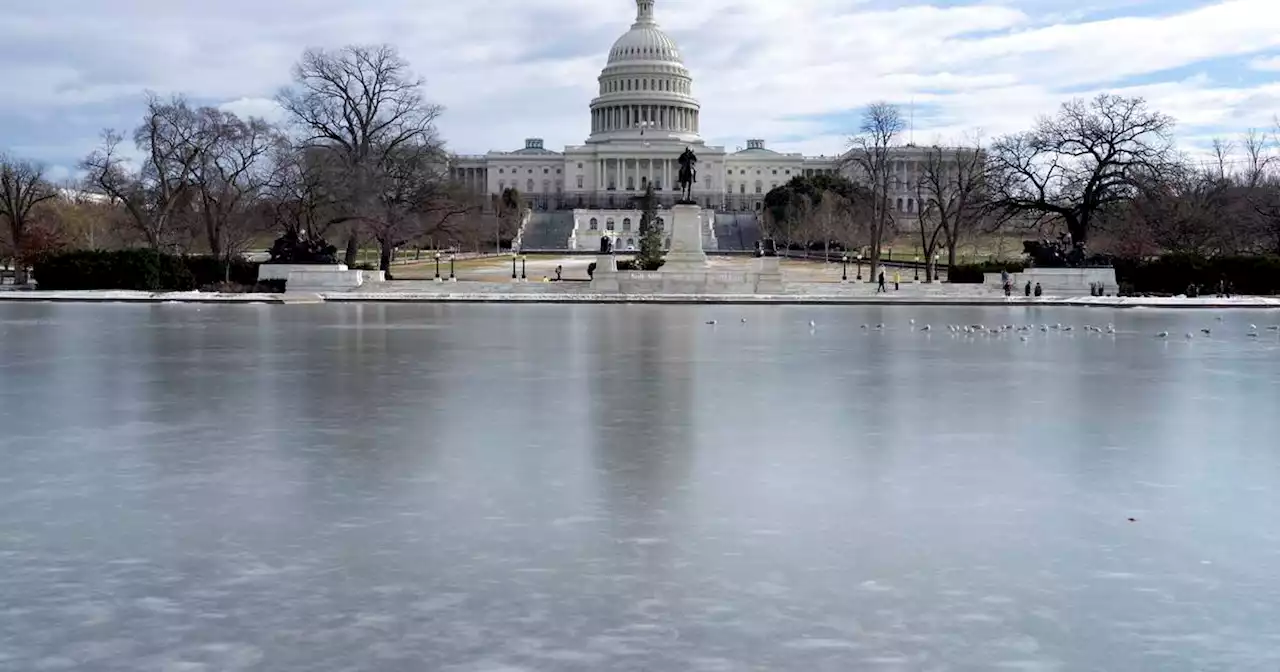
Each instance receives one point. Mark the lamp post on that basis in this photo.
(437, 267)
(844, 268)
(935, 267)
(452, 277)
(513, 266)
(917, 269)
(859, 267)
(523, 262)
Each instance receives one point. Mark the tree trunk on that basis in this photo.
(1078, 228)
(384, 256)
(214, 236)
(353, 249)
(951, 257)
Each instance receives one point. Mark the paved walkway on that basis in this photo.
(580, 292)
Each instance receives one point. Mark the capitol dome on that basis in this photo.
(645, 42)
(645, 91)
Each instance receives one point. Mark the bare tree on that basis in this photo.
(1184, 209)
(1222, 150)
(1259, 158)
(301, 188)
(229, 176)
(363, 104)
(159, 191)
(1077, 164)
(414, 200)
(871, 154)
(23, 187)
(950, 197)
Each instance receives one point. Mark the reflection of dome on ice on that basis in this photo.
(645, 90)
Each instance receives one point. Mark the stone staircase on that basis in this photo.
(547, 231)
(737, 230)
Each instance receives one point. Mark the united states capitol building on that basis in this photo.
(644, 116)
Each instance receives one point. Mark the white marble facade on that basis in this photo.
(622, 226)
(643, 116)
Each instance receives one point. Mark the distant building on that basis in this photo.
(643, 118)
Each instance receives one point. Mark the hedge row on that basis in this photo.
(1174, 273)
(143, 270)
(1169, 274)
(627, 265)
(972, 273)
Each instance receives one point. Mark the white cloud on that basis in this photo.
(262, 108)
(793, 72)
(1266, 64)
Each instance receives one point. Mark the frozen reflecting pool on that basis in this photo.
(507, 488)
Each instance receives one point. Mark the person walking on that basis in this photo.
(897, 281)
(880, 287)
(1038, 291)
(1028, 290)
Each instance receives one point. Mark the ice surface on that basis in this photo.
(492, 488)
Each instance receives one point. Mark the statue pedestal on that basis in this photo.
(313, 278)
(769, 276)
(686, 252)
(605, 277)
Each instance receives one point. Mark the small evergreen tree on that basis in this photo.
(650, 256)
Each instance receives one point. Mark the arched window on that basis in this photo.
(660, 223)
(666, 243)
(742, 188)
(631, 242)
(594, 225)
(899, 205)
(529, 186)
(911, 205)
(502, 185)
(608, 224)
(759, 187)
(626, 223)
(546, 186)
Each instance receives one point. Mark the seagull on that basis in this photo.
(744, 320)
(1044, 328)
(913, 321)
(1163, 334)
(1219, 318)
(1067, 328)
(1024, 338)
(711, 321)
(1206, 332)
(864, 326)
(1253, 334)
(1253, 327)
(880, 326)
(1189, 335)
(1274, 327)
(925, 328)
(812, 324)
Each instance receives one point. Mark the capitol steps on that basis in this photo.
(548, 231)
(736, 231)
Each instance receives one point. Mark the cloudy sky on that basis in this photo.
(795, 72)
